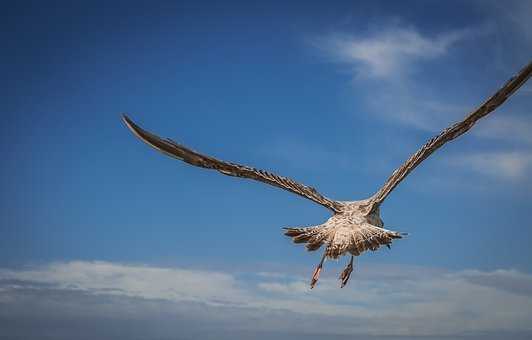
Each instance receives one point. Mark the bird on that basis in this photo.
(355, 226)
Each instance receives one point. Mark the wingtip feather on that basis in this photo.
(130, 124)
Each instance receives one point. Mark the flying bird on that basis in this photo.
(355, 226)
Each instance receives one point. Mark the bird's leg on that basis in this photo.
(316, 274)
(346, 273)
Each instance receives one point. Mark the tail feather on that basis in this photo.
(340, 240)
(316, 241)
(370, 237)
(313, 236)
(292, 232)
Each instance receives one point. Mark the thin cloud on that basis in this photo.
(388, 56)
(388, 52)
(509, 280)
(401, 105)
(512, 165)
(135, 281)
(506, 127)
(438, 302)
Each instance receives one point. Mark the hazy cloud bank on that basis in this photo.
(383, 301)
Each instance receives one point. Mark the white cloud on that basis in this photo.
(136, 281)
(509, 280)
(389, 54)
(506, 127)
(512, 165)
(389, 51)
(400, 104)
(374, 303)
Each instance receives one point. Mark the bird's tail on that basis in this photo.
(342, 240)
(313, 236)
(371, 237)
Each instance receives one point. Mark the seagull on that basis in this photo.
(355, 226)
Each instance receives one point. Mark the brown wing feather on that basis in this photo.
(449, 134)
(180, 152)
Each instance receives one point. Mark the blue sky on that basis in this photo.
(334, 96)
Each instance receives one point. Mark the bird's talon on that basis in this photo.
(346, 273)
(317, 271)
(315, 277)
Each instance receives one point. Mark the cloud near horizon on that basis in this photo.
(440, 303)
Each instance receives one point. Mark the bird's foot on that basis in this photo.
(346, 273)
(316, 274)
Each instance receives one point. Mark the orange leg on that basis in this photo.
(317, 271)
(346, 273)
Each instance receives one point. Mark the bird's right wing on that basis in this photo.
(449, 134)
(189, 156)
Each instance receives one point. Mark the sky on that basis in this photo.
(105, 237)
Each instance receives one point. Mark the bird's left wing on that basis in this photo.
(449, 134)
(189, 156)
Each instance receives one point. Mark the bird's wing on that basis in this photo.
(449, 134)
(182, 153)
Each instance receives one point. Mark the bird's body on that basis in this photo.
(355, 226)
(352, 230)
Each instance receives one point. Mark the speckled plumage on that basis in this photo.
(352, 230)
(355, 226)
